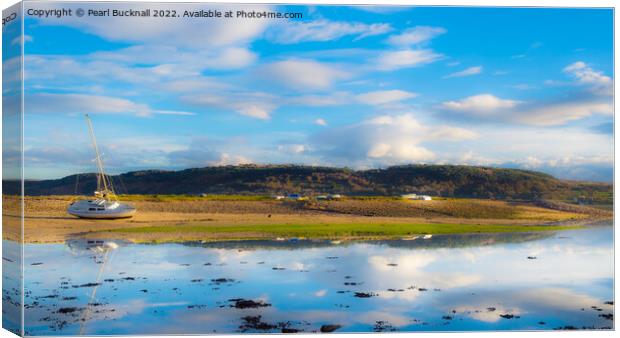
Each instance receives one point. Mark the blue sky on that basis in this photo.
(344, 86)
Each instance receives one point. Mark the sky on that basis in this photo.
(361, 87)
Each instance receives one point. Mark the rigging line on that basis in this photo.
(123, 186)
(91, 131)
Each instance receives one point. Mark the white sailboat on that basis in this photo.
(105, 204)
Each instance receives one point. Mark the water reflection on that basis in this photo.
(473, 282)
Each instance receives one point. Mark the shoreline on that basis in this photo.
(46, 220)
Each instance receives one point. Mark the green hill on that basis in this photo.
(436, 180)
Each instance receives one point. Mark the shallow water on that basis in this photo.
(447, 283)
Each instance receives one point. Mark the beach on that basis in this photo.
(179, 218)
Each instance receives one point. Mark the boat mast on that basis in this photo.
(101, 178)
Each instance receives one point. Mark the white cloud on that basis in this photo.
(466, 72)
(231, 58)
(197, 59)
(406, 58)
(585, 75)
(594, 99)
(19, 40)
(12, 77)
(321, 293)
(384, 140)
(448, 133)
(203, 151)
(320, 122)
(292, 148)
(254, 105)
(332, 99)
(480, 104)
(384, 96)
(200, 84)
(380, 97)
(253, 110)
(560, 113)
(415, 35)
(536, 113)
(304, 74)
(82, 104)
(173, 112)
(322, 30)
(227, 159)
(568, 152)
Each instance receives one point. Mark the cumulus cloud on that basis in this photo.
(480, 104)
(407, 58)
(303, 74)
(466, 72)
(384, 139)
(322, 30)
(384, 96)
(584, 74)
(415, 35)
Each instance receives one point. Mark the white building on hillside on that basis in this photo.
(417, 197)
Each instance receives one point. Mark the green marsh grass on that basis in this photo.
(343, 230)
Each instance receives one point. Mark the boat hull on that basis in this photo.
(111, 215)
(100, 209)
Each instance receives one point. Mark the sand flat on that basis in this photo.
(46, 220)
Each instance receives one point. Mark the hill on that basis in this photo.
(436, 180)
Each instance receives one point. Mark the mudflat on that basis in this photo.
(173, 218)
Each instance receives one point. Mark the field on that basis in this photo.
(224, 217)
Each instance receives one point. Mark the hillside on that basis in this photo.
(436, 180)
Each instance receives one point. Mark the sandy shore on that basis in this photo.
(46, 220)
